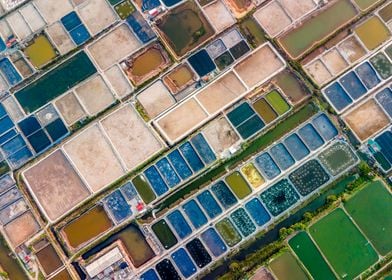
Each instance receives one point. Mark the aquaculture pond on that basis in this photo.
(365, 4)
(309, 177)
(156, 181)
(337, 158)
(164, 234)
(168, 172)
(337, 96)
(198, 252)
(382, 65)
(143, 189)
(257, 211)
(353, 85)
(296, 146)
(179, 164)
(243, 222)
(370, 208)
(49, 259)
(87, 227)
(373, 32)
(167, 271)
(223, 194)
(340, 242)
(179, 224)
(279, 197)
(286, 267)
(384, 141)
(291, 86)
(214, 242)
(202, 147)
(194, 213)
(185, 27)
(267, 166)
(191, 157)
(311, 137)
(384, 98)
(385, 13)
(238, 185)
(252, 175)
(40, 51)
(277, 102)
(209, 204)
(147, 62)
(368, 75)
(184, 262)
(228, 232)
(281, 156)
(310, 256)
(264, 109)
(54, 83)
(117, 205)
(317, 28)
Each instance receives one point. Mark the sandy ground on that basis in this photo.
(21, 229)
(318, 71)
(60, 38)
(53, 10)
(352, 49)
(95, 95)
(155, 99)
(219, 16)
(94, 158)
(70, 108)
(56, 185)
(13, 109)
(23, 67)
(297, 9)
(230, 39)
(181, 120)
(130, 136)
(221, 93)
(33, 18)
(334, 61)
(220, 135)
(18, 25)
(272, 18)
(363, 126)
(118, 81)
(96, 15)
(250, 69)
(262, 274)
(120, 39)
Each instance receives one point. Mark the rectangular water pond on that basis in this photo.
(118, 207)
(252, 175)
(55, 82)
(156, 180)
(286, 267)
(337, 96)
(168, 172)
(209, 204)
(180, 164)
(250, 127)
(202, 147)
(281, 156)
(277, 102)
(311, 137)
(243, 222)
(87, 227)
(198, 252)
(384, 97)
(180, 225)
(143, 189)
(316, 28)
(194, 213)
(184, 262)
(296, 146)
(164, 234)
(264, 109)
(310, 256)
(167, 271)
(325, 127)
(223, 194)
(267, 166)
(309, 177)
(238, 185)
(367, 75)
(279, 197)
(340, 242)
(382, 65)
(337, 158)
(257, 211)
(9, 72)
(214, 242)
(353, 85)
(191, 157)
(228, 232)
(384, 141)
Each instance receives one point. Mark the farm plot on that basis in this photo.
(279, 197)
(337, 158)
(370, 208)
(309, 177)
(341, 242)
(286, 267)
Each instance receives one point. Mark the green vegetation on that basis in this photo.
(124, 9)
(371, 210)
(309, 255)
(249, 149)
(252, 32)
(238, 185)
(341, 243)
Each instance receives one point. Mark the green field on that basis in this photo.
(310, 256)
(371, 209)
(286, 267)
(277, 102)
(344, 246)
